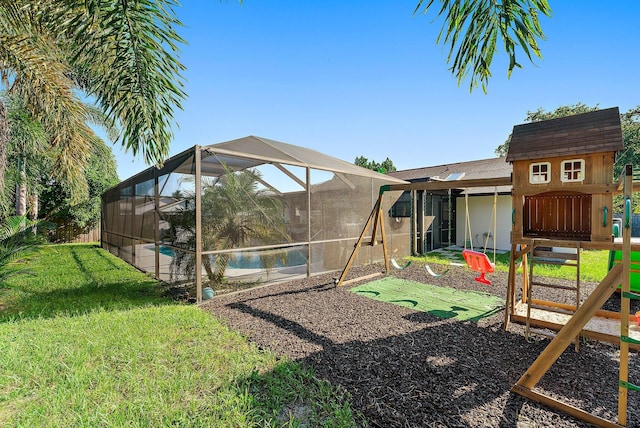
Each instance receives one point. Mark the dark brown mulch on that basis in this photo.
(404, 368)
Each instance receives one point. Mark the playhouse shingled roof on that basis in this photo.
(592, 132)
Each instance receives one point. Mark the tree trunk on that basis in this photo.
(21, 199)
(4, 142)
(33, 201)
(21, 189)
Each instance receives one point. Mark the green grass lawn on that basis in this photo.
(593, 265)
(87, 340)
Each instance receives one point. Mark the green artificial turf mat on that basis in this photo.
(443, 302)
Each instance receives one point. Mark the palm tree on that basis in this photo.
(30, 162)
(121, 53)
(27, 144)
(236, 213)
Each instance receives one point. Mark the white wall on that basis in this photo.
(481, 216)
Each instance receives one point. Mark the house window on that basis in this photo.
(402, 207)
(572, 170)
(540, 173)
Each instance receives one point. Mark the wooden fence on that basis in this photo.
(71, 234)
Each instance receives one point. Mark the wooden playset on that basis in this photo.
(562, 203)
(562, 197)
(562, 193)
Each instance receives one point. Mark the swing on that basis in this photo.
(432, 273)
(480, 263)
(476, 260)
(397, 266)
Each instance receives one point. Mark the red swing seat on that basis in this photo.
(480, 263)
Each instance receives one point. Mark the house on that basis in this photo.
(439, 216)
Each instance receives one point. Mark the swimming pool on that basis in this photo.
(279, 258)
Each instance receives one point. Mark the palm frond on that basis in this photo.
(17, 243)
(49, 97)
(471, 29)
(129, 63)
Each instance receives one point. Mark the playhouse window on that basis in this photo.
(540, 173)
(573, 170)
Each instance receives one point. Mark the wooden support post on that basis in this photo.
(380, 220)
(573, 327)
(625, 302)
(525, 274)
(198, 213)
(356, 247)
(511, 287)
(577, 345)
(376, 213)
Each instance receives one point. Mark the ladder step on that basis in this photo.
(553, 262)
(556, 286)
(548, 254)
(630, 340)
(542, 332)
(629, 386)
(552, 309)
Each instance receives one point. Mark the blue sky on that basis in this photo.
(366, 78)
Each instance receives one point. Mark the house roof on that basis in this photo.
(592, 132)
(496, 167)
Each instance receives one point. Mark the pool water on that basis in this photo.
(251, 260)
(166, 251)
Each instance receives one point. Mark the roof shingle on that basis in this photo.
(592, 132)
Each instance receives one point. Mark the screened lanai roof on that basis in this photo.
(251, 151)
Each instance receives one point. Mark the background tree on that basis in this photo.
(30, 165)
(26, 153)
(473, 28)
(630, 122)
(57, 204)
(385, 166)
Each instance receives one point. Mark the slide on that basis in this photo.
(616, 257)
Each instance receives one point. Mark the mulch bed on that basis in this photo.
(404, 368)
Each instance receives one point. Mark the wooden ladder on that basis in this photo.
(546, 256)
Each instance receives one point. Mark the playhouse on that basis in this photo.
(562, 202)
(563, 190)
(562, 176)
